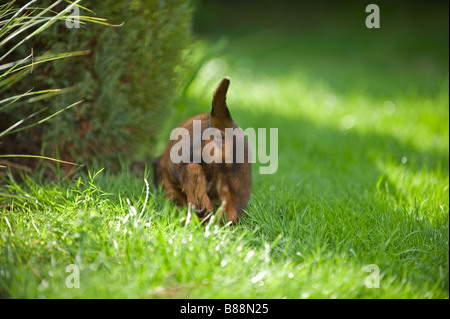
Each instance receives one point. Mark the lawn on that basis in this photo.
(359, 205)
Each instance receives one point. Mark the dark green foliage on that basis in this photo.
(127, 82)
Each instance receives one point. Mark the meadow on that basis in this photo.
(358, 208)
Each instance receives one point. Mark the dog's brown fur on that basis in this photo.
(203, 185)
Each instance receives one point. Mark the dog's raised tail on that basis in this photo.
(220, 114)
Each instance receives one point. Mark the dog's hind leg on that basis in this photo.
(171, 190)
(193, 183)
(234, 192)
(227, 199)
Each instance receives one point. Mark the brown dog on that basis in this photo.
(204, 184)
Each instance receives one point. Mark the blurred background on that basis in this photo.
(328, 41)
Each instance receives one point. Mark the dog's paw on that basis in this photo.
(201, 211)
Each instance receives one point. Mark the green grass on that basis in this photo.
(362, 180)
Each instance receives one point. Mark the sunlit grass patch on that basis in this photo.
(282, 248)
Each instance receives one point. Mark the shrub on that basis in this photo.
(127, 82)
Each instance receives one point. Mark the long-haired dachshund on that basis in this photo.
(195, 179)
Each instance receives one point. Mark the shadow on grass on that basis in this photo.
(336, 162)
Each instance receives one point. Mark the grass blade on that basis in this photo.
(40, 157)
(9, 131)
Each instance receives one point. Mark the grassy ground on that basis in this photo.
(363, 130)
